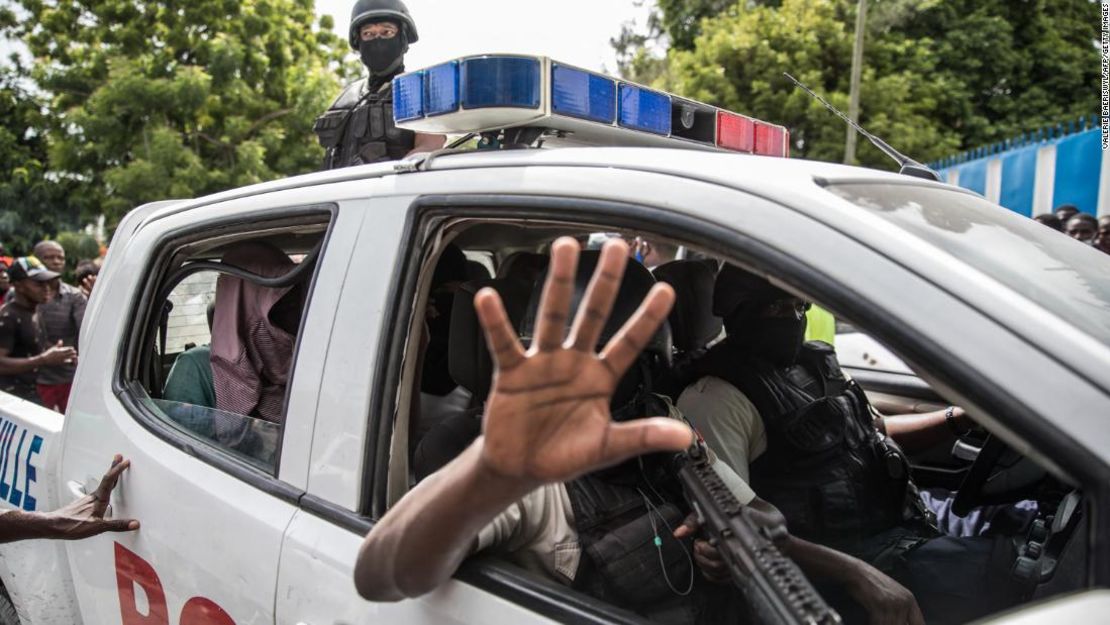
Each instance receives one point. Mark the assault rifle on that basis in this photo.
(774, 587)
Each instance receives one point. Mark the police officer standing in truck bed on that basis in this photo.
(359, 128)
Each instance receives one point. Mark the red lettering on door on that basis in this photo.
(131, 570)
(201, 611)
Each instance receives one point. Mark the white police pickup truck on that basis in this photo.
(253, 520)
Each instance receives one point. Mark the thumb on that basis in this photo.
(644, 436)
(689, 526)
(59, 344)
(119, 525)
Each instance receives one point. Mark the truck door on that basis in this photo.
(360, 386)
(217, 461)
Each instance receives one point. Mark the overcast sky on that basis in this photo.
(573, 31)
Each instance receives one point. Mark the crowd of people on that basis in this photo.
(1080, 226)
(40, 322)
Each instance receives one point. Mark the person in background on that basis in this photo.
(61, 317)
(1050, 220)
(22, 337)
(85, 276)
(190, 378)
(5, 285)
(1102, 238)
(254, 331)
(84, 518)
(653, 253)
(1064, 212)
(820, 325)
(1081, 227)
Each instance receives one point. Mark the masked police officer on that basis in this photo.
(779, 411)
(358, 128)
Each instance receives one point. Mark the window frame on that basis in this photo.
(143, 332)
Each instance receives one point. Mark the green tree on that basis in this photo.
(160, 99)
(738, 61)
(78, 246)
(1015, 66)
(681, 19)
(939, 76)
(33, 203)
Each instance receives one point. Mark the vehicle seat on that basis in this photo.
(693, 324)
(476, 271)
(470, 365)
(527, 267)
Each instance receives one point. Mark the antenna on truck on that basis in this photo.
(907, 165)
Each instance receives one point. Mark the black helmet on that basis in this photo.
(366, 10)
(736, 288)
(634, 288)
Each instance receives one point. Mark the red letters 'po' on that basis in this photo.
(131, 570)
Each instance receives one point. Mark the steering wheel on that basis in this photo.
(968, 494)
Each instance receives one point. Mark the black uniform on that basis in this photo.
(835, 477)
(359, 129)
(825, 461)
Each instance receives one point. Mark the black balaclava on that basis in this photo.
(384, 57)
(740, 297)
(776, 340)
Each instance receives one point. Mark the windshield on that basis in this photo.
(1068, 278)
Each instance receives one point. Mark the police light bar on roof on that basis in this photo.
(495, 92)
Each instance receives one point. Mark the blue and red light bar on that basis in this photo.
(493, 92)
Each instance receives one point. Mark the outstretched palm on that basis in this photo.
(547, 418)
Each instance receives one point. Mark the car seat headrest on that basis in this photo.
(693, 324)
(468, 358)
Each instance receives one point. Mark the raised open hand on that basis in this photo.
(547, 418)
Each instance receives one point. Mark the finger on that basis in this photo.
(708, 551)
(643, 436)
(117, 525)
(689, 527)
(504, 346)
(713, 568)
(558, 289)
(636, 333)
(597, 303)
(108, 482)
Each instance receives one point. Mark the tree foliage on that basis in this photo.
(160, 99)
(939, 76)
(33, 203)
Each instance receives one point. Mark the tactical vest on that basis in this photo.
(359, 129)
(827, 468)
(627, 544)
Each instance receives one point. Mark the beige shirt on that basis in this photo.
(727, 420)
(537, 533)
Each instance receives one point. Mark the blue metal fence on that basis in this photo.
(1038, 171)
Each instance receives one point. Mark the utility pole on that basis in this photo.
(857, 69)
